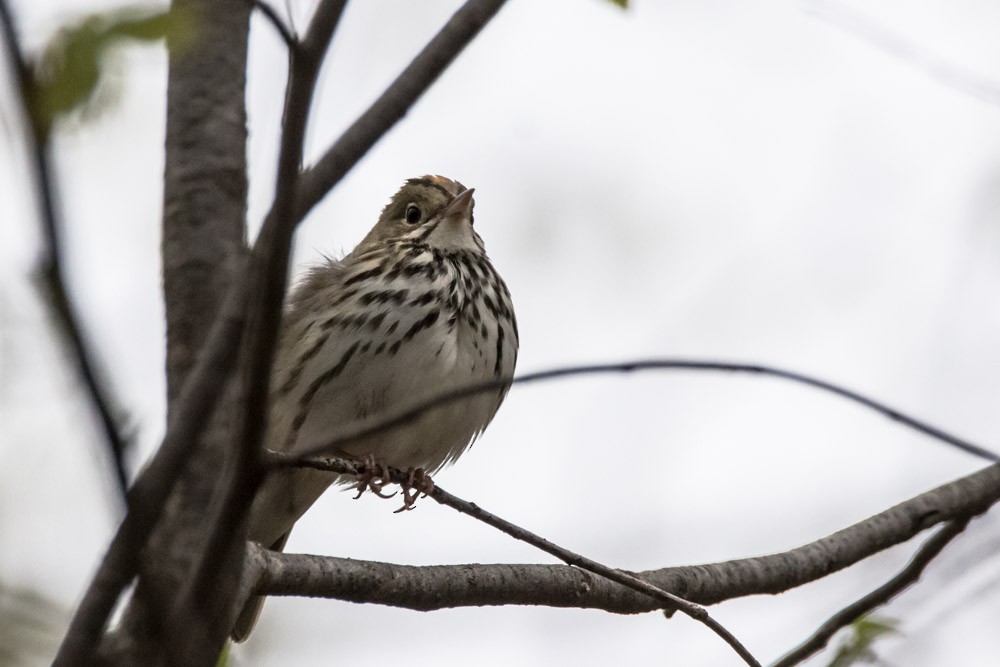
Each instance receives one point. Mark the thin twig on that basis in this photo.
(852, 612)
(291, 41)
(362, 429)
(666, 599)
(51, 268)
(669, 600)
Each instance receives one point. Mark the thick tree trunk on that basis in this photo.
(205, 183)
(204, 209)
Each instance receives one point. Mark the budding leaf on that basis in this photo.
(857, 647)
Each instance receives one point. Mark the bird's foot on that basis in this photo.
(418, 483)
(373, 479)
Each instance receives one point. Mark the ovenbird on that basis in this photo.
(416, 310)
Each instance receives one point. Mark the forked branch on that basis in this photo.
(878, 597)
(215, 361)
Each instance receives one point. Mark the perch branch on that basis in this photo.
(438, 587)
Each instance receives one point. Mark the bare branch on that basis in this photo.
(437, 587)
(906, 577)
(290, 40)
(50, 270)
(372, 426)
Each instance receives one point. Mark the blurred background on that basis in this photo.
(814, 185)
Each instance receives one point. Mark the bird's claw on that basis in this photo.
(418, 483)
(374, 478)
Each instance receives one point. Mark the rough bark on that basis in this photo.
(205, 183)
(204, 211)
(426, 588)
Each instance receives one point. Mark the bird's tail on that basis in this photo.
(251, 610)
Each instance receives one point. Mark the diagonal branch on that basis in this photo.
(906, 577)
(51, 269)
(664, 599)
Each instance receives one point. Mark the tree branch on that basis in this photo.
(690, 609)
(290, 40)
(371, 426)
(37, 139)
(439, 587)
(665, 599)
(906, 577)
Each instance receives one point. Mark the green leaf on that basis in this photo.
(70, 73)
(858, 646)
(621, 3)
(173, 24)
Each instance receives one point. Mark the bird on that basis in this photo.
(416, 310)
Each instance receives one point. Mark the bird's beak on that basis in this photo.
(460, 207)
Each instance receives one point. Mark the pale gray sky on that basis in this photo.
(730, 180)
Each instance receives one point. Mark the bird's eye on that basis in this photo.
(413, 214)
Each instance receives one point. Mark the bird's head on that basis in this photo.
(432, 210)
